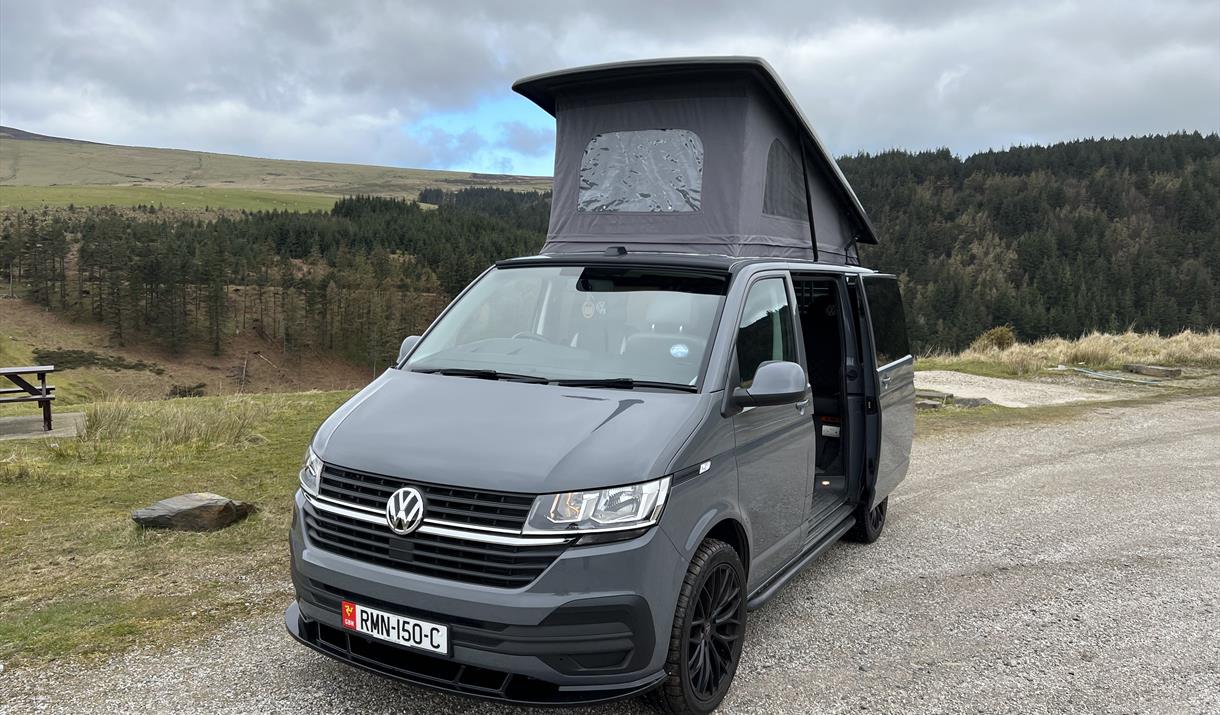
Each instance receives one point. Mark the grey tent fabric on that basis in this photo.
(692, 156)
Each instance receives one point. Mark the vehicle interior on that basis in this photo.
(821, 318)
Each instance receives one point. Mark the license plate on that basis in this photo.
(393, 628)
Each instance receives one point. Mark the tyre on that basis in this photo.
(708, 632)
(869, 523)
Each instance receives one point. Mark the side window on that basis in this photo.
(784, 192)
(888, 319)
(765, 331)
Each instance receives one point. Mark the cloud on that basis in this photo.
(527, 140)
(427, 84)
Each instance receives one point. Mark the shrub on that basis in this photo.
(186, 390)
(64, 359)
(998, 338)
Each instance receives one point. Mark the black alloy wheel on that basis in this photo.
(714, 632)
(708, 632)
(869, 523)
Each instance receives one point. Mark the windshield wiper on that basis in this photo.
(484, 374)
(623, 383)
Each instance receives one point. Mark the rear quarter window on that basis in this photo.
(888, 318)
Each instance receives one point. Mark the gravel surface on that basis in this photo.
(1048, 569)
(1020, 393)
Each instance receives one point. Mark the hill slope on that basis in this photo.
(1094, 234)
(106, 173)
(1061, 240)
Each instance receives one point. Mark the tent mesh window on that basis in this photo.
(643, 171)
(784, 194)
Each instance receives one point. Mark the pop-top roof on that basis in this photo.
(703, 154)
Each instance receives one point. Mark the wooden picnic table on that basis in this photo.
(26, 391)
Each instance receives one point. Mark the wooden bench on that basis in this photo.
(26, 391)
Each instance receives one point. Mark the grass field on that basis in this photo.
(57, 171)
(33, 197)
(81, 578)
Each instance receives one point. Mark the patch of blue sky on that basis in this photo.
(502, 134)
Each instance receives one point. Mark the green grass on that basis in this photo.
(32, 197)
(71, 386)
(81, 578)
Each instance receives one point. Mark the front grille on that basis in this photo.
(502, 510)
(468, 561)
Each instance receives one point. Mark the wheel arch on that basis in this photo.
(732, 532)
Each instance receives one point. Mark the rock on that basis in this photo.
(193, 512)
(928, 404)
(923, 393)
(1154, 370)
(972, 401)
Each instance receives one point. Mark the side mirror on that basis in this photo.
(406, 347)
(775, 383)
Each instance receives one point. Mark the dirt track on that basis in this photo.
(1056, 568)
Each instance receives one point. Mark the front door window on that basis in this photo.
(765, 331)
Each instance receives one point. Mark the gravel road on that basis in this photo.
(1057, 568)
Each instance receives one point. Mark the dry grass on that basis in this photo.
(225, 421)
(108, 420)
(96, 583)
(1095, 350)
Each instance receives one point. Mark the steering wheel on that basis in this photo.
(523, 335)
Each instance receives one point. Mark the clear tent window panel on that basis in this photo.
(642, 171)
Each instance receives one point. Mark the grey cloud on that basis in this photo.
(451, 148)
(340, 81)
(522, 138)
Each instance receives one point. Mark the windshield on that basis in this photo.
(648, 325)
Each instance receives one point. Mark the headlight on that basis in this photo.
(311, 473)
(615, 509)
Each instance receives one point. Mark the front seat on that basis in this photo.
(669, 348)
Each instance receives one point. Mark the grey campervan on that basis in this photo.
(596, 460)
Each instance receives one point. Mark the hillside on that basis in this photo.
(37, 169)
(1094, 235)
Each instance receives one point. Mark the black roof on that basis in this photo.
(543, 89)
(695, 261)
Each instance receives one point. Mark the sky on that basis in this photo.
(427, 84)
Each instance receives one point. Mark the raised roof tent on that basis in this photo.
(694, 155)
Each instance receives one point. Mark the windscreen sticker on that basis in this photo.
(590, 309)
(679, 350)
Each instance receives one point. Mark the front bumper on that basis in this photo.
(594, 626)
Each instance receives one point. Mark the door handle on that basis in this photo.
(800, 406)
(885, 380)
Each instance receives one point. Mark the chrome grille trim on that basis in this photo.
(432, 527)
